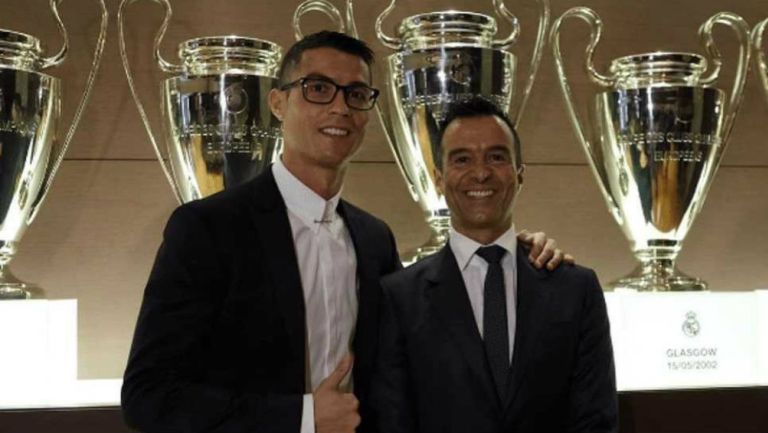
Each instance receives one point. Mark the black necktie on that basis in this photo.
(495, 331)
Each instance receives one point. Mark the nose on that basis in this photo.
(339, 104)
(480, 172)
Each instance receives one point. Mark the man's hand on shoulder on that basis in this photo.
(543, 251)
(336, 411)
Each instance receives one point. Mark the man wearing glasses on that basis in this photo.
(260, 293)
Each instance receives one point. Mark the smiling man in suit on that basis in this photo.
(260, 293)
(474, 339)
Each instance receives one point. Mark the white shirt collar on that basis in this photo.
(464, 248)
(306, 204)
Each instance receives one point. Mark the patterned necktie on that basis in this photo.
(495, 330)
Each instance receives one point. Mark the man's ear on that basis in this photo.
(520, 172)
(277, 103)
(438, 175)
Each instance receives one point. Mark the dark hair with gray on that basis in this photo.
(476, 106)
(323, 39)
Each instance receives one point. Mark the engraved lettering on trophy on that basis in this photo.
(436, 102)
(634, 139)
(25, 129)
(678, 155)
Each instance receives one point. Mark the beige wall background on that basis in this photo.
(96, 236)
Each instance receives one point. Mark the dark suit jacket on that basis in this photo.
(220, 340)
(432, 375)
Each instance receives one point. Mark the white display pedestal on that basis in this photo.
(38, 358)
(689, 340)
(660, 341)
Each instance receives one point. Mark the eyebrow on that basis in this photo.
(324, 77)
(496, 147)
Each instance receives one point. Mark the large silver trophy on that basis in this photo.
(443, 58)
(219, 129)
(657, 135)
(31, 149)
(760, 55)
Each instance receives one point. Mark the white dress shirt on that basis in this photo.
(327, 264)
(474, 269)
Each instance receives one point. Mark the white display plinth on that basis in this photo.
(660, 341)
(689, 340)
(38, 358)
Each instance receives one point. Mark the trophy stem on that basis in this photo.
(657, 272)
(10, 286)
(439, 226)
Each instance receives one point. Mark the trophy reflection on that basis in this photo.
(441, 59)
(31, 150)
(760, 55)
(657, 135)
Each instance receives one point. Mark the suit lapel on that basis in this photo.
(368, 277)
(274, 230)
(532, 299)
(449, 298)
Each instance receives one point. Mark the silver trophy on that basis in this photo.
(219, 130)
(657, 135)
(760, 54)
(443, 58)
(31, 150)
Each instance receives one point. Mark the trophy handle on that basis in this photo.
(388, 41)
(165, 66)
(55, 60)
(59, 57)
(538, 49)
(741, 28)
(389, 132)
(502, 10)
(760, 57)
(351, 26)
(587, 142)
(323, 6)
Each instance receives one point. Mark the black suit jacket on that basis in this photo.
(432, 374)
(220, 340)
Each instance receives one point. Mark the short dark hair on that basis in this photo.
(476, 106)
(323, 39)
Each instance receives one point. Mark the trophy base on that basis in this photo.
(12, 288)
(658, 276)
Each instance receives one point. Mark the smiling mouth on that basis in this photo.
(480, 194)
(335, 132)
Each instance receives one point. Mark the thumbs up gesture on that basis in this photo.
(336, 411)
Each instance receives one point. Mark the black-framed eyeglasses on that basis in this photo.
(322, 91)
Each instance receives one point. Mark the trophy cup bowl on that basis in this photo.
(218, 124)
(657, 135)
(218, 127)
(31, 150)
(442, 59)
